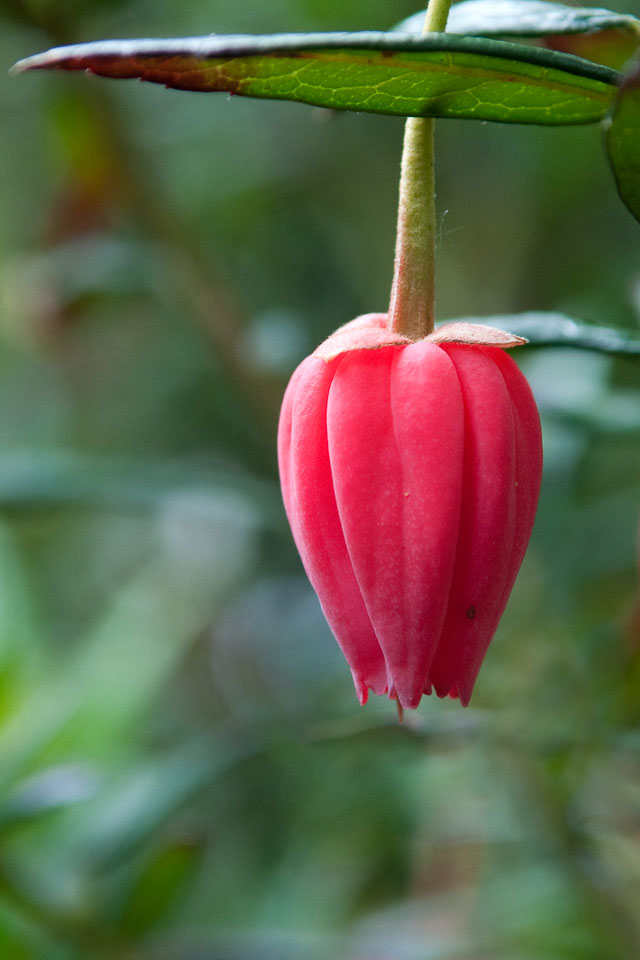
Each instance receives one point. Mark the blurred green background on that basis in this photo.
(185, 773)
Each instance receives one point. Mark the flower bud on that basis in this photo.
(410, 475)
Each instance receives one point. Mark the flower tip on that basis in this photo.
(408, 700)
(362, 691)
(463, 696)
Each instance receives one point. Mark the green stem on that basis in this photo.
(436, 17)
(412, 308)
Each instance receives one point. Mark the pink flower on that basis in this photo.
(410, 475)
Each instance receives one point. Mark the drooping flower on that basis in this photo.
(410, 474)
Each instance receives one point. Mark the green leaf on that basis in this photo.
(123, 819)
(390, 73)
(524, 18)
(558, 330)
(160, 883)
(623, 142)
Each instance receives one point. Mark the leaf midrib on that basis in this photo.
(467, 70)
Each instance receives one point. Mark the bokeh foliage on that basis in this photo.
(184, 769)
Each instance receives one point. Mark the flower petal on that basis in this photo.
(487, 560)
(309, 499)
(395, 430)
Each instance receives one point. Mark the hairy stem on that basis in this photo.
(412, 307)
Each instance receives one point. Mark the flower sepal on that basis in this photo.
(370, 332)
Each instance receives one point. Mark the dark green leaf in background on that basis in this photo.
(623, 142)
(160, 882)
(403, 75)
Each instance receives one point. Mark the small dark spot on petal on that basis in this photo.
(471, 612)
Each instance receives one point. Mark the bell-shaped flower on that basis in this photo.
(410, 475)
